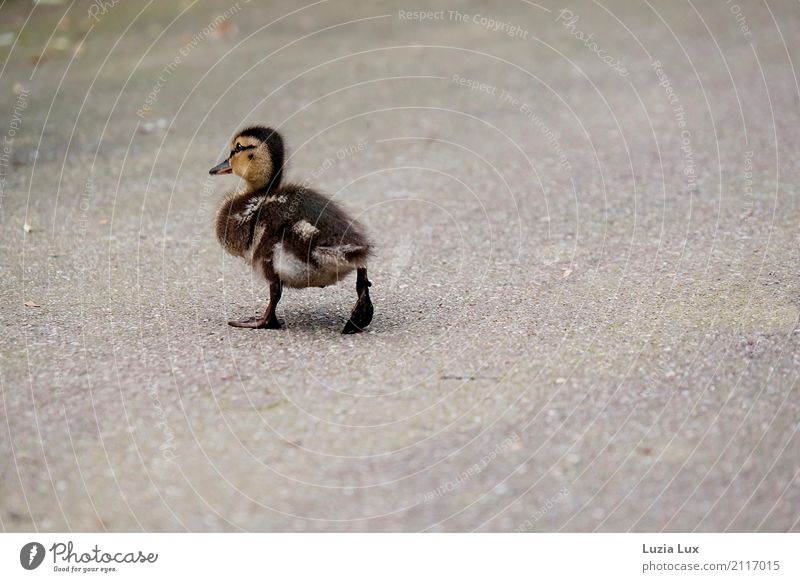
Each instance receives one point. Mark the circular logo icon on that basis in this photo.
(31, 555)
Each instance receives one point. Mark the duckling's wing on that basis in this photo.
(342, 255)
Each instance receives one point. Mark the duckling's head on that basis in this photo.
(256, 156)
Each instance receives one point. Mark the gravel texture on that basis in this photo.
(586, 284)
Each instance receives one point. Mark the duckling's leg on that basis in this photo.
(362, 312)
(269, 319)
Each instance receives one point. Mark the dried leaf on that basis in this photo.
(102, 221)
(37, 60)
(30, 303)
(226, 29)
(567, 273)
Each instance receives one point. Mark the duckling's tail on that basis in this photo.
(358, 256)
(346, 254)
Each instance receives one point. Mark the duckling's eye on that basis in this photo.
(238, 147)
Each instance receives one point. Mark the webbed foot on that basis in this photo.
(256, 323)
(361, 315)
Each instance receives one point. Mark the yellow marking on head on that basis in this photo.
(253, 164)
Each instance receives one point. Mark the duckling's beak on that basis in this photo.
(221, 168)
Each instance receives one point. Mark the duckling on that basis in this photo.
(290, 235)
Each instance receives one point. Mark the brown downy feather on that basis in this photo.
(291, 232)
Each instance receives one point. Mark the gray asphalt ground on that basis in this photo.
(586, 284)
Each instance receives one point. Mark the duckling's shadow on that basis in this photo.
(316, 320)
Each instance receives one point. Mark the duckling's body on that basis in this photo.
(290, 235)
(306, 238)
